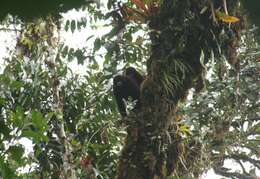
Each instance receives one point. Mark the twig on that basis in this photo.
(225, 6)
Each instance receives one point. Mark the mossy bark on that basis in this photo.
(154, 147)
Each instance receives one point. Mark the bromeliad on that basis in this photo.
(143, 11)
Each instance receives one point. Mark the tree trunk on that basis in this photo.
(154, 147)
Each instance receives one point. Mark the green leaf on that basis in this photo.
(84, 23)
(64, 52)
(18, 117)
(78, 25)
(80, 56)
(67, 25)
(108, 57)
(73, 26)
(128, 37)
(2, 101)
(63, 71)
(39, 121)
(35, 136)
(16, 84)
(6, 171)
(4, 129)
(97, 44)
(71, 54)
(4, 79)
(17, 153)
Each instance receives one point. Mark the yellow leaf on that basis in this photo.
(185, 129)
(226, 18)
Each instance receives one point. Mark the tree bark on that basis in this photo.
(154, 147)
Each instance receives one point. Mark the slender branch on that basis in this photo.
(225, 6)
(253, 130)
(243, 157)
(213, 11)
(242, 166)
(224, 172)
(236, 123)
(252, 149)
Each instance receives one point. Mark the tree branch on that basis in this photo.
(245, 158)
(224, 172)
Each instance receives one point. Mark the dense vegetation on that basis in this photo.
(200, 98)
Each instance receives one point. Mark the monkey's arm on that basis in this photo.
(120, 104)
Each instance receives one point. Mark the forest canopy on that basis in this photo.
(194, 107)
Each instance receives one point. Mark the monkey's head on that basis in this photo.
(130, 71)
(134, 75)
(118, 81)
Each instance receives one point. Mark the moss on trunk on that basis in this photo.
(182, 38)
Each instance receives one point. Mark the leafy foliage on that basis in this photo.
(68, 115)
(31, 9)
(226, 113)
(28, 111)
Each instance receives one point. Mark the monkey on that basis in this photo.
(126, 86)
(134, 75)
(123, 88)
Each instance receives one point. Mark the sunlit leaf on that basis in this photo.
(39, 121)
(34, 135)
(226, 18)
(6, 171)
(17, 84)
(18, 117)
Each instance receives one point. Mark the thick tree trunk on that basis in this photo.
(154, 147)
